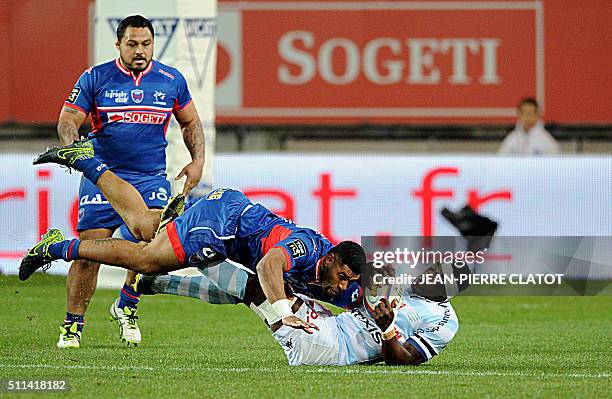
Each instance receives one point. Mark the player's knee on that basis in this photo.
(142, 229)
(147, 262)
(146, 233)
(149, 267)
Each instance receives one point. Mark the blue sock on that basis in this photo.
(71, 318)
(67, 250)
(92, 168)
(128, 297)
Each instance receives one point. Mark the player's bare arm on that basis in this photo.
(394, 353)
(193, 136)
(254, 296)
(70, 120)
(270, 271)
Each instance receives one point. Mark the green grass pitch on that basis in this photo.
(506, 346)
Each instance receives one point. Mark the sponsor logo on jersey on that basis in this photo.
(93, 200)
(297, 248)
(144, 117)
(215, 195)
(165, 73)
(368, 324)
(197, 259)
(137, 95)
(160, 98)
(202, 257)
(161, 194)
(430, 328)
(119, 96)
(74, 94)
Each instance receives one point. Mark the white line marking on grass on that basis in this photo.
(330, 370)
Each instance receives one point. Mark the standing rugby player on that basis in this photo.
(131, 101)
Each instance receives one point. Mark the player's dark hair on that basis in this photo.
(528, 101)
(135, 21)
(351, 254)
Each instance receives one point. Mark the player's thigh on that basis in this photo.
(159, 256)
(95, 212)
(198, 236)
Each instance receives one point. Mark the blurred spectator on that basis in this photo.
(529, 136)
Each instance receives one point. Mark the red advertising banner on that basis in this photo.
(389, 62)
(436, 62)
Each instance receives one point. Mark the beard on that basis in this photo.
(135, 67)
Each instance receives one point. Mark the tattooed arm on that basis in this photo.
(193, 135)
(68, 125)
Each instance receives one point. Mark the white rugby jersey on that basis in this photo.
(353, 337)
(427, 325)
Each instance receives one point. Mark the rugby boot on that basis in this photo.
(67, 155)
(126, 319)
(38, 256)
(70, 336)
(173, 209)
(476, 228)
(143, 284)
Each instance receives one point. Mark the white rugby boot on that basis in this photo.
(70, 336)
(127, 320)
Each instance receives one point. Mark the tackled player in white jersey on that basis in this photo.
(416, 331)
(409, 333)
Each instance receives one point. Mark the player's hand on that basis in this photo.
(383, 314)
(370, 272)
(193, 171)
(295, 322)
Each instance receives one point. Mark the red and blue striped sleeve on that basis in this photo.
(300, 252)
(82, 95)
(183, 96)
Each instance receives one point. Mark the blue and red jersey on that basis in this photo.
(130, 113)
(227, 224)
